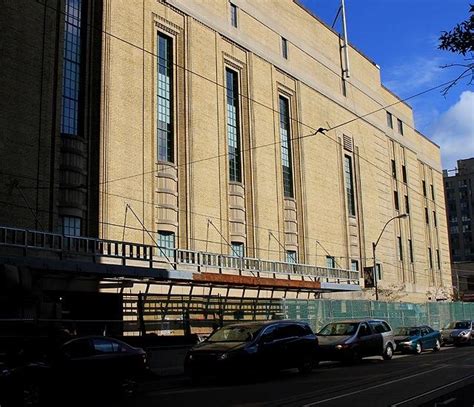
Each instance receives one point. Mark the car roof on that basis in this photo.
(267, 323)
(88, 337)
(354, 321)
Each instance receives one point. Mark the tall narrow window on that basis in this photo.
(233, 125)
(233, 15)
(423, 185)
(432, 192)
(400, 248)
(438, 259)
(410, 248)
(404, 173)
(378, 271)
(400, 126)
(291, 256)
(284, 47)
(407, 204)
(430, 258)
(427, 217)
(71, 68)
(71, 226)
(394, 169)
(285, 136)
(435, 221)
(165, 131)
(237, 249)
(389, 120)
(354, 265)
(349, 180)
(166, 243)
(395, 200)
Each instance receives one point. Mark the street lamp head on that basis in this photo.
(403, 216)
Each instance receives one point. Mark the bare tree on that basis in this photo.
(460, 40)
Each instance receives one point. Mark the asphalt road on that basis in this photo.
(445, 378)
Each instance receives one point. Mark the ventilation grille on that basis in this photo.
(347, 142)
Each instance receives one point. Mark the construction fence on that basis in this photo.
(319, 312)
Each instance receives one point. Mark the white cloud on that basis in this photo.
(414, 74)
(454, 131)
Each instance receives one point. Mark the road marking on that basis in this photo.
(371, 387)
(431, 391)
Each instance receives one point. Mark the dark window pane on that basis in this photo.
(233, 15)
(71, 68)
(165, 133)
(285, 137)
(233, 126)
(349, 181)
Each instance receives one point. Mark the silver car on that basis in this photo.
(458, 333)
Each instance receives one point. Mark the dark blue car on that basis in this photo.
(415, 339)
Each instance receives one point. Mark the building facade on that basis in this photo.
(193, 125)
(459, 188)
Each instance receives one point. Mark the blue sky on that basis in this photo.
(401, 36)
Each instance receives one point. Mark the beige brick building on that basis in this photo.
(203, 138)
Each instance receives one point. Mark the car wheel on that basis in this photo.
(437, 346)
(128, 386)
(418, 348)
(388, 352)
(31, 395)
(306, 366)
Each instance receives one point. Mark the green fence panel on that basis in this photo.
(319, 312)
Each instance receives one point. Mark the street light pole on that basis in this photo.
(374, 246)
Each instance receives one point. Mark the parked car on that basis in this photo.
(81, 366)
(246, 348)
(415, 339)
(458, 333)
(354, 339)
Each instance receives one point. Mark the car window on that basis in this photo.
(386, 326)
(284, 331)
(78, 348)
(378, 327)
(102, 346)
(429, 329)
(424, 331)
(364, 330)
(236, 333)
(339, 329)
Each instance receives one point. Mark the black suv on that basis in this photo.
(253, 347)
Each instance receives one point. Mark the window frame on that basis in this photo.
(286, 147)
(165, 99)
(233, 127)
(389, 120)
(349, 185)
(284, 47)
(76, 227)
(400, 126)
(396, 200)
(164, 237)
(234, 20)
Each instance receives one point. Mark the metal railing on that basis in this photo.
(99, 250)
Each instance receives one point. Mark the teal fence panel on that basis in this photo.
(319, 312)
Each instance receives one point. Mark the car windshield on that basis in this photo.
(235, 333)
(403, 331)
(459, 325)
(339, 329)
